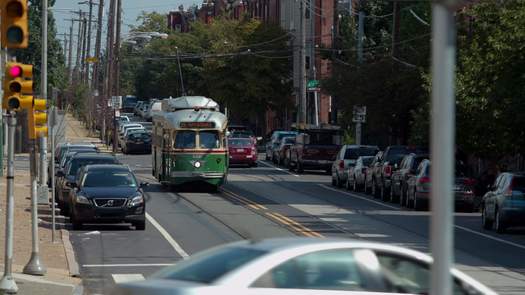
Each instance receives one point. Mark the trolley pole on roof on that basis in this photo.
(442, 144)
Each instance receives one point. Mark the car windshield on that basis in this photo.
(321, 138)
(208, 268)
(108, 178)
(78, 163)
(209, 139)
(289, 140)
(367, 161)
(354, 153)
(185, 139)
(239, 142)
(139, 135)
(282, 135)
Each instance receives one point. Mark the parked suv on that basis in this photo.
(347, 157)
(503, 205)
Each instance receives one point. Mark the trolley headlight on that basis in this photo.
(197, 164)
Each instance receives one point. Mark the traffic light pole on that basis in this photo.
(8, 284)
(35, 265)
(43, 197)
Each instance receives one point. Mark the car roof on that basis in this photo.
(353, 146)
(81, 145)
(93, 156)
(117, 167)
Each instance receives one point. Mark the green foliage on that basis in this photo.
(228, 60)
(393, 91)
(151, 22)
(491, 80)
(348, 137)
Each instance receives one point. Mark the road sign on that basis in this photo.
(91, 60)
(313, 86)
(359, 114)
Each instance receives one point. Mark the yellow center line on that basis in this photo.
(306, 229)
(285, 222)
(244, 200)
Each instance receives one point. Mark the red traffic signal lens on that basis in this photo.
(14, 9)
(15, 71)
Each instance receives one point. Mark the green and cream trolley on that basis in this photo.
(189, 142)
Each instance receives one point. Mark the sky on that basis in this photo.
(130, 9)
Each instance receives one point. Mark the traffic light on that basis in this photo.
(37, 118)
(14, 24)
(18, 86)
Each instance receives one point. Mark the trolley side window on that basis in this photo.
(209, 139)
(185, 139)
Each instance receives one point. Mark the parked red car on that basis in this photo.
(242, 151)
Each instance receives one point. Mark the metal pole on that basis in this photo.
(43, 197)
(442, 146)
(88, 54)
(8, 284)
(360, 35)
(183, 91)
(303, 65)
(53, 147)
(358, 133)
(79, 45)
(35, 265)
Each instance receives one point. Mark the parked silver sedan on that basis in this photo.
(300, 266)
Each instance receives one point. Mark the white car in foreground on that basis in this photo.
(304, 266)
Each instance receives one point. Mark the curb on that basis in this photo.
(72, 263)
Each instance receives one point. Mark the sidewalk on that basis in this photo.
(57, 257)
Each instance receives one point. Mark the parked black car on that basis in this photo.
(107, 194)
(406, 169)
(68, 176)
(137, 142)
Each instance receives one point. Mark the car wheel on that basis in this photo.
(334, 183)
(76, 224)
(499, 226)
(139, 225)
(374, 188)
(382, 193)
(347, 184)
(485, 222)
(354, 186)
(402, 196)
(418, 206)
(299, 167)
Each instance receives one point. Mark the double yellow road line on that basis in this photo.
(296, 226)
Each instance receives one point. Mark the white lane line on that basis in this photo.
(456, 226)
(126, 265)
(277, 168)
(125, 278)
(167, 236)
(359, 197)
(490, 237)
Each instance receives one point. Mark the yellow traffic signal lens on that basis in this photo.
(15, 86)
(14, 9)
(13, 103)
(39, 104)
(15, 35)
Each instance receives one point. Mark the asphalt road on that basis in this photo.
(266, 202)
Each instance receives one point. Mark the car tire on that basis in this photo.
(417, 205)
(339, 182)
(374, 189)
(77, 225)
(354, 186)
(382, 193)
(299, 167)
(139, 225)
(499, 225)
(485, 222)
(402, 197)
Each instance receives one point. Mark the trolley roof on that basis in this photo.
(189, 102)
(173, 120)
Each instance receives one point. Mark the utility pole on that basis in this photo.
(302, 113)
(88, 50)
(83, 57)
(110, 60)
(35, 265)
(183, 90)
(360, 32)
(395, 28)
(116, 62)
(79, 45)
(98, 43)
(442, 144)
(70, 53)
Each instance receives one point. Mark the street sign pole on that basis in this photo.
(442, 144)
(8, 284)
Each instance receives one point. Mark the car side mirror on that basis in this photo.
(73, 185)
(60, 173)
(144, 184)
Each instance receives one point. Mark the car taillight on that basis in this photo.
(423, 180)
(387, 170)
(469, 182)
(342, 164)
